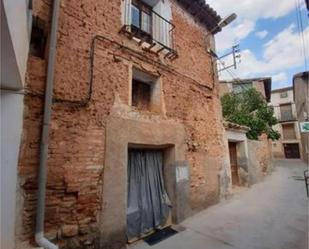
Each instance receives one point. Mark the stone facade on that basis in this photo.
(254, 157)
(285, 97)
(301, 93)
(237, 134)
(262, 85)
(78, 138)
(260, 159)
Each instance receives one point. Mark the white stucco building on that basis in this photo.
(15, 38)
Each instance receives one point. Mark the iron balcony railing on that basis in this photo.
(285, 113)
(151, 29)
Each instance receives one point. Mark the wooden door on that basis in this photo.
(233, 162)
(291, 151)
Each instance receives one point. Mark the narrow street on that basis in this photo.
(270, 215)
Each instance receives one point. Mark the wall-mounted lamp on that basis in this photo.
(224, 22)
(227, 20)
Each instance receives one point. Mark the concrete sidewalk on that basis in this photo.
(270, 215)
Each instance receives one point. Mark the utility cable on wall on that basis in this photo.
(140, 56)
(300, 27)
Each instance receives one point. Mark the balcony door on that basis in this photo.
(286, 112)
(141, 19)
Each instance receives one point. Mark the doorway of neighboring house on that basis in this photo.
(233, 162)
(148, 205)
(291, 150)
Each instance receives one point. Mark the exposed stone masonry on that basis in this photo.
(77, 136)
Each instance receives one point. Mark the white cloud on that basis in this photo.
(252, 9)
(261, 34)
(280, 77)
(233, 34)
(282, 52)
(280, 80)
(248, 11)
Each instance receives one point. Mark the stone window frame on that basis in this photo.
(156, 105)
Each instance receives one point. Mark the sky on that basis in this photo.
(269, 37)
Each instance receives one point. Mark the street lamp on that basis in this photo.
(224, 22)
(227, 20)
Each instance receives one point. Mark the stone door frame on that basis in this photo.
(120, 135)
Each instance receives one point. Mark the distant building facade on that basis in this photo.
(250, 160)
(301, 99)
(262, 85)
(289, 145)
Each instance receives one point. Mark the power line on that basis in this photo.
(300, 27)
(235, 78)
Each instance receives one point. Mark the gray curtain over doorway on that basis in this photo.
(148, 202)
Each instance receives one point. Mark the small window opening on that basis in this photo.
(38, 38)
(141, 95)
(146, 92)
(283, 95)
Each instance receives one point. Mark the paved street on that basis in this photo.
(270, 215)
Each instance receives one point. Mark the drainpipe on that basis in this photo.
(39, 228)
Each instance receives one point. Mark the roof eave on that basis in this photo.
(206, 15)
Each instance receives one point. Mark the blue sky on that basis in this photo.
(269, 38)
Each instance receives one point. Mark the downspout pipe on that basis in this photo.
(40, 214)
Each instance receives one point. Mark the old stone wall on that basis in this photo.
(260, 159)
(77, 136)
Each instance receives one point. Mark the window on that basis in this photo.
(149, 23)
(283, 95)
(141, 19)
(146, 92)
(240, 87)
(141, 95)
(286, 112)
(38, 38)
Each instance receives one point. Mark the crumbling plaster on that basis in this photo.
(79, 137)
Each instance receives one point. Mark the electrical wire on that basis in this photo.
(85, 101)
(232, 74)
(300, 27)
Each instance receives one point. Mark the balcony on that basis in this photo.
(286, 112)
(149, 29)
(287, 116)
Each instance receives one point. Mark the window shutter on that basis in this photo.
(161, 28)
(127, 12)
